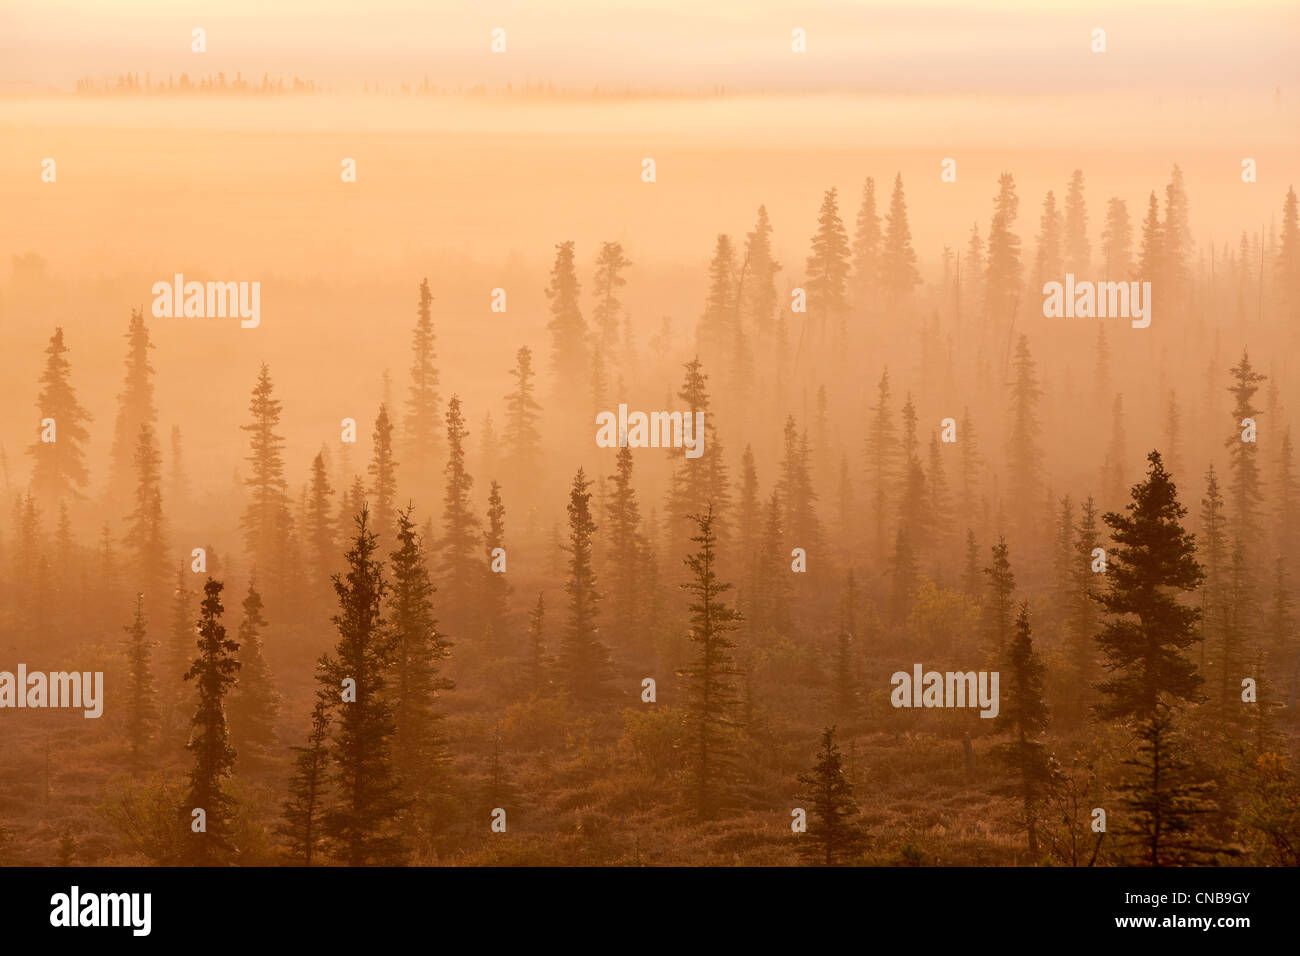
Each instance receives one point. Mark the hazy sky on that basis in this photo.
(939, 45)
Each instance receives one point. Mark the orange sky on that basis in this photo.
(672, 44)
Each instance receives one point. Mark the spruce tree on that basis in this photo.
(58, 466)
(1117, 242)
(998, 603)
(898, 273)
(1153, 559)
(147, 529)
(711, 675)
(1047, 257)
(627, 547)
(610, 263)
(539, 662)
(495, 606)
(301, 825)
(135, 408)
(827, 268)
(1002, 263)
(523, 441)
(460, 567)
(142, 717)
(1024, 714)
(1245, 494)
(1162, 806)
(881, 455)
(383, 476)
(570, 357)
(759, 291)
(834, 832)
(214, 673)
(421, 424)
(1077, 250)
(584, 659)
(1085, 587)
(254, 703)
(418, 746)
(266, 519)
(362, 823)
(866, 247)
(320, 533)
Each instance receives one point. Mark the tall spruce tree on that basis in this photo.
(422, 424)
(1024, 714)
(827, 269)
(584, 659)
(459, 567)
(1149, 629)
(419, 749)
(214, 673)
(58, 465)
(383, 476)
(135, 407)
(266, 520)
(142, 717)
(898, 273)
(254, 702)
(362, 825)
(301, 826)
(570, 356)
(711, 675)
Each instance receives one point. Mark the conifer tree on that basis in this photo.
(1077, 249)
(845, 676)
(771, 600)
(711, 674)
(421, 424)
(1117, 242)
(827, 268)
(1113, 468)
(1288, 261)
(539, 662)
(522, 439)
(698, 482)
(834, 832)
(1047, 257)
(903, 576)
(627, 547)
(254, 703)
(214, 673)
(716, 329)
(383, 476)
(135, 408)
(570, 358)
(998, 603)
(1085, 584)
(496, 586)
(147, 529)
(180, 642)
(322, 543)
(58, 466)
(1162, 805)
(266, 520)
(1002, 263)
(1176, 238)
(584, 659)
(972, 271)
(898, 273)
(418, 746)
(1152, 257)
(610, 263)
(302, 826)
(798, 500)
(1024, 457)
(881, 454)
(866, 246)
(1245, 490)
(758, 291)
(1153, 558)
(460, 567)
(1025, 716)
(972, 463)
(142, 718)
(361, 825)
